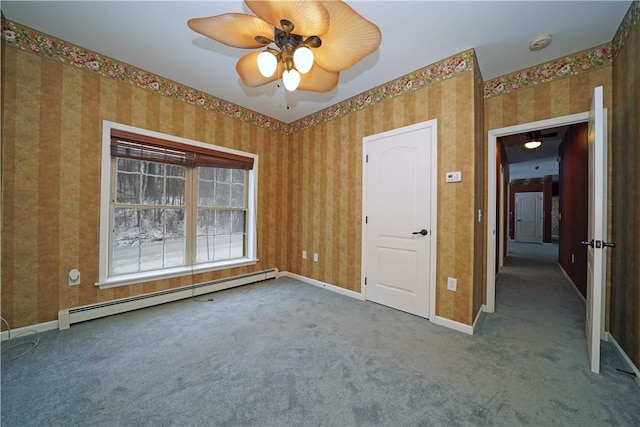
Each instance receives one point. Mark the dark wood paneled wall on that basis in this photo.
(574, 204)
(547, 204)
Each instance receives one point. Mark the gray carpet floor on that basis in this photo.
(285, 353)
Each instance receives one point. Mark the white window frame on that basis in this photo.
(106, 181)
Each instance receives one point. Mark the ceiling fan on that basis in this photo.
(534, 139)
(306, 43)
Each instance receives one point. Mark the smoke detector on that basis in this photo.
(540, 42)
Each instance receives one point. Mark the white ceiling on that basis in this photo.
(153, 35)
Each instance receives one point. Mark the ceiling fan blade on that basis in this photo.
(247, 68)
(309, 18)
(348, 40)
(233, 29)
(319, 80)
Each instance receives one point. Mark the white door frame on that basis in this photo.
(434, 209)
(492, 137)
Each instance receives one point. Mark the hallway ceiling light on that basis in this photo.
(532, 145)
(329, 37)
(534, 139)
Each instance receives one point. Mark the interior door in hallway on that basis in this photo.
(528, 217)
(399, 206)
(597, 229)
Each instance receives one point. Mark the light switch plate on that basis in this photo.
(453, 176)
(452, 283)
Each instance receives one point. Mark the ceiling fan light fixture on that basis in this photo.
(291, 79)
(532, 145)
(303, 59)
(267, 63)
(329, 37)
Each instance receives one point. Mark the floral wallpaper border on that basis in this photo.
(426, 76)
(599, 56)
(578, 63)
(30, 40)
(630, 20)
(33, 41)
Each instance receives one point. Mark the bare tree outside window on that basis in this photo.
(148, 216)
(222, 207)
(173, 206)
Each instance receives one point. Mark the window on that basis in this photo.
(171, 206)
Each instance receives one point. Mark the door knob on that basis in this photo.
(598, 244)
(423, 232)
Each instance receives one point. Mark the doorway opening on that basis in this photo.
(496, 225)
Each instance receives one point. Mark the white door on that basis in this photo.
(528, 217)
(596, 239)
(399, 210)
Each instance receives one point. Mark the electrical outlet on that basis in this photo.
(452, 283)
(74, 277)
(304, 254)
(315, 257)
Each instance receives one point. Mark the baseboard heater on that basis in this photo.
(88, 312)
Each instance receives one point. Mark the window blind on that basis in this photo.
(142, 147)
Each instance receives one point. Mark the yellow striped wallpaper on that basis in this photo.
(624, 320)
(310, 189)
(327, 199)
(52, 121)
(569, 95)
(309, 183)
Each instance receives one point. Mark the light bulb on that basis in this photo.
(303, 58)
(532, 145)
(291, 79)
(267, 63)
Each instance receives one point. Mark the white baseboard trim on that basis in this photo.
(38, 327)
(479, 317)
(320, 284)
(442, 321)
(573, 285)
(452, 324)
(634, 368)
(68, 316)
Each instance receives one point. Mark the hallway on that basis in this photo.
(539, 322)
(542, 317)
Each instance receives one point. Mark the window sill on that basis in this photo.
(148, 276)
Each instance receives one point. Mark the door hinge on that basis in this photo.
(366, 158)
(366, 220)
(365, 281)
